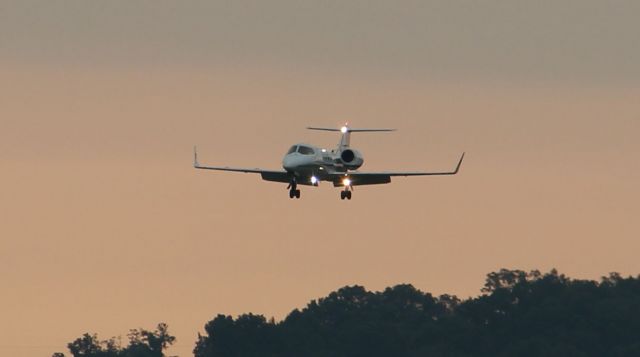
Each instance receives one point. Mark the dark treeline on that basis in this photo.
(142, 343)
(518, 314)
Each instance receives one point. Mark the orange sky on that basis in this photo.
(106, 227)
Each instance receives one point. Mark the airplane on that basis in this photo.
(308, 165)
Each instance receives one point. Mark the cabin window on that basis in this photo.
(305, 150)
(292, 150)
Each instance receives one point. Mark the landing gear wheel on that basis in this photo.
(293, 191)
(342, 195)
(348, 194)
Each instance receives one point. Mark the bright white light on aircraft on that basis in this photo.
(346, 182)
(314, 180)
(344, 129)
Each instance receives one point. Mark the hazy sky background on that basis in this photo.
(104, 225)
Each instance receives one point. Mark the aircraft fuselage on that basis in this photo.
(311, 164)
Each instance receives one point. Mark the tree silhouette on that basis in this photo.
(142, 343)
(519, 314)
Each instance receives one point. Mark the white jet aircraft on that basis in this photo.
(308, 165)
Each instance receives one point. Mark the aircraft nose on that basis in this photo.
(288, 162)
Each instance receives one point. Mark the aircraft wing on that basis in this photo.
(374, 178)
(268, 175)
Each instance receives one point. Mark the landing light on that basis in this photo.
(346, 182)
(344, 129)
(314, 180)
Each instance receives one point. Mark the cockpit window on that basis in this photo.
(305, 150)
(292, 150)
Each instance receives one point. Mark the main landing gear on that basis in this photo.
(345, 194)
(293, 191)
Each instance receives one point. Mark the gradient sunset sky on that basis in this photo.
(105, 226)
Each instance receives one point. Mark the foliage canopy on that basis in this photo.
(518, 314)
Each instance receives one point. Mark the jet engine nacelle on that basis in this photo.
(351, 159)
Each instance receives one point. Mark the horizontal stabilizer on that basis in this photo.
(323, 129)
(347, 129)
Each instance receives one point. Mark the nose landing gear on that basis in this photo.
(345, 194)
(293, 191)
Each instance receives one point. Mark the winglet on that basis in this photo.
(459, 164)
(195, 157)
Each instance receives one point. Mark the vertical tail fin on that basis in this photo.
(345, 138)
